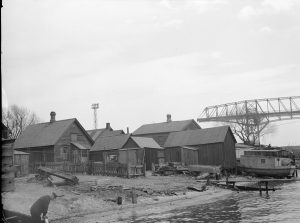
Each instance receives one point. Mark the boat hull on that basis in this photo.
(271, 172)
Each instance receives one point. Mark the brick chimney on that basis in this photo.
(169, 118)
(108, 126)
(52, 115)
(127, 130)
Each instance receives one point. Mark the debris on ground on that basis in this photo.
(172, 168)
(199, 189)
(46, 172)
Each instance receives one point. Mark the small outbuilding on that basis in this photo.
(125, 149)
(215, 146)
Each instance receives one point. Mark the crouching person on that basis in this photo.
(39, 209)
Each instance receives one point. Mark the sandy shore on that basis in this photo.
(156, 194)
(159, 206)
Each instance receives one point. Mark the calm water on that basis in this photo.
(281, 206)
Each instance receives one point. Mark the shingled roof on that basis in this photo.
(45, 134)
(109, 143)
(198, 137)
(117, 142)
(162, 127)
(95, 133)
(144, 142)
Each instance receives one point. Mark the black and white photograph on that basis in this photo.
(150, 111)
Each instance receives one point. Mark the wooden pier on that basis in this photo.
(231, 183)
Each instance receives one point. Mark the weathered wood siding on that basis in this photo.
(218, 153)
(96, 156)
(23, 161)
(211, 154)
(40, 154)
(230, 154)
(173, 154)
(62, 149)
(154, 156)
(7, 170)
(133, 156)
(183, 155)
(189, 156)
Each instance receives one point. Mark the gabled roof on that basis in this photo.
(46, 134)
(198, 137)
(144, 142)
(112, 133)
(163, 127)
(109, 143)
(95, 133)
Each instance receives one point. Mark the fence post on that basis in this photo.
(104, 161)
(128, 170)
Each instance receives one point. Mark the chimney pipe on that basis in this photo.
(108, 126)
(127, 131)
(169, 118)
(52, 115)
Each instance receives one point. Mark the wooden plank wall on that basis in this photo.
(211, 154)
(229, 152)
(7, 171)
(23, 161)
(189, 156)
(173, 154)
(65, 142)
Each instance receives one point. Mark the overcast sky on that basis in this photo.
(141, 60)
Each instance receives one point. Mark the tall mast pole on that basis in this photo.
(95, 107)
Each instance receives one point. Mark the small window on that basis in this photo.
(112, 158)
(64, 153)
(263, 161)
(73, 137)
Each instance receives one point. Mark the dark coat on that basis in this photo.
(41, 205)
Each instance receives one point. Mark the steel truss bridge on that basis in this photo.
(248, 118)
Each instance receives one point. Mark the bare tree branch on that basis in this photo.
(17, 118)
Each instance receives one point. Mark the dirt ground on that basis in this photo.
(98, 194)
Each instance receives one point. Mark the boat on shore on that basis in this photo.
(267, 162)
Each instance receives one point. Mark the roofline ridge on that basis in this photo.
(53, 122)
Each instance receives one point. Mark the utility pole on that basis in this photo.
(95, 107)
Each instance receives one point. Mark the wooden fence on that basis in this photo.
(117, 169)
(94, 168)
(62, 166)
